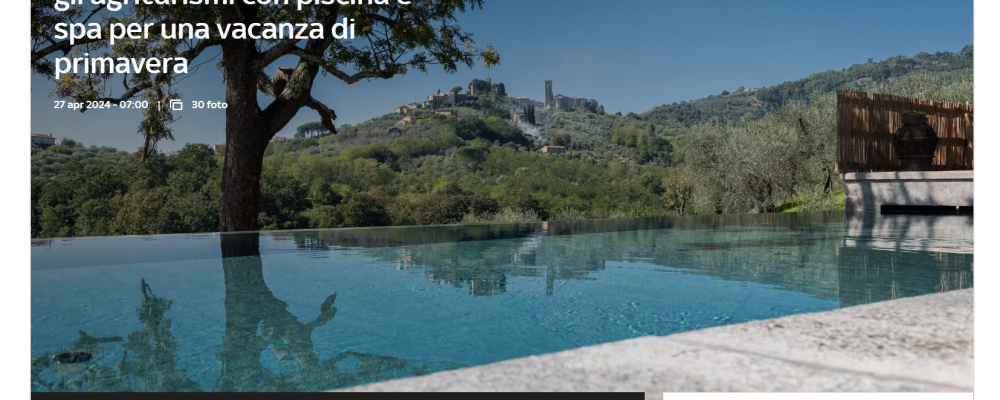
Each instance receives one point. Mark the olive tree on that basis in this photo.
(748, 166)
(818, 122)
(390, 40)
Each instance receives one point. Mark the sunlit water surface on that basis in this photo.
(320, 310)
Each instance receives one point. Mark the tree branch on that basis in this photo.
(62, 46)
(332, 69)
(275, 52)
(162, 77)
(326, 115)
(264, 83)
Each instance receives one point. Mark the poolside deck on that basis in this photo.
(922, 343)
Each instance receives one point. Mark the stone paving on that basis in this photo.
(922, 343)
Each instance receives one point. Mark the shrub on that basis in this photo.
(325, 217)
(567, 214)
(441, 208)
(507, 215)
(59, 149)
(365, 210)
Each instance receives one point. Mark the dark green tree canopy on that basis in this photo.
(311, 129)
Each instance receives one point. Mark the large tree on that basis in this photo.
(390, 40)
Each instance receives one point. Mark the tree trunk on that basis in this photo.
(239, 201)
(145, 149)
(828, 183)
(246, 140)
(765, 200)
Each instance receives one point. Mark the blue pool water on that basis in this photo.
(320, 310)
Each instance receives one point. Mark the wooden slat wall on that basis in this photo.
(866, 123)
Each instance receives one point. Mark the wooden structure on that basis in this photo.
(866, 123)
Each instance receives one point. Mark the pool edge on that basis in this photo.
(922, 343)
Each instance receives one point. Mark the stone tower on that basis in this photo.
(548, 94)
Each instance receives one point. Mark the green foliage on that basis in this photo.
(814, 202)
(283, 198)
(474, 154)
(325, 217)
(953, 87)
(47, 162)
(645, 144)
(678, 192)
(498, 113)
(561, 138)
(323, 194)
(491, 128)
(568, 214)
(475, 167)
(426, 175)
(96, 196)
(479, 86)
(313, 129)
(59, 149)
(442, 208)
(365, 210)
(757, 162)
(505, 216)
(529, 114)
(730, 108)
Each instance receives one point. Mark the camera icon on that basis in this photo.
(176, 105)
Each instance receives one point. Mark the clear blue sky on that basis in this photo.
(630, 56)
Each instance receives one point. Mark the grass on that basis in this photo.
(810, 202)
(506, 215)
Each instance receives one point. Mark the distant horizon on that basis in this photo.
(674, 51)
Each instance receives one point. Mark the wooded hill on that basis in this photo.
(477, 165)
(728, 107)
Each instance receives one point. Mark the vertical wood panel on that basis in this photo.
(866, 123)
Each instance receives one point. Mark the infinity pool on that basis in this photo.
(321, 310)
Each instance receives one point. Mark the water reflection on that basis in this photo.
(885, 257)
(823, 254)
(771, 249)
(256, 320)
(841, 261)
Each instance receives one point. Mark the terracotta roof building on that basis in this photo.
(43, 141)
(553, 150)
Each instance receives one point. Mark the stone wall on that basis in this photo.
(870, 191)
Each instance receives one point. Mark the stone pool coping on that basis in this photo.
(922, 343)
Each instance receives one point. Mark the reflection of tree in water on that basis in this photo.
(255, 320)
(147, 362)
(795, 251)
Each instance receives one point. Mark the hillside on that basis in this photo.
(728, 107)
(479, 165)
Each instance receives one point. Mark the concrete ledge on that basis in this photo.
(868, 192)
(921, 343)
(908, 175)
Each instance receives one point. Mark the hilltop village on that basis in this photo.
(441, 102)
